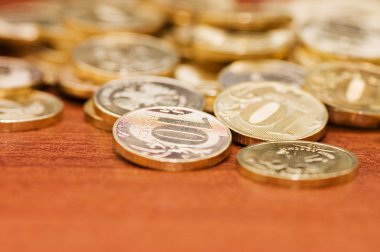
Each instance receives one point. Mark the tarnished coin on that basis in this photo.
(171, 138)
(350, 90)
(29, 111)
(124, 95)
(17, 74)
(117, 55)
(270, 111)
(92, 118)
(297, 164)
(264, 70)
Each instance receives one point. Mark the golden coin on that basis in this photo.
(29, 111)
(124, 95)
(306, 58)
(72, 85)
(17, 75)
(270, 111)
(171, 138)
(182, 38)
(350, 90)
(116, 55)
(92, 118)
(215, 44)
(297, 164)
(263, 70)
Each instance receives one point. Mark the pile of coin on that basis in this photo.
(148, 70)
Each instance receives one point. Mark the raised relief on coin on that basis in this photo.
(269, 111)
(264, 70)
(297, 163)
(171, 138)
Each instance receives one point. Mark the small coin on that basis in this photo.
(264, 70)
(29, 111)
(350, 90)
(92, 118)
(124, 95)
(297, 164)
(171, 138)
(116, 55)
(270, 111)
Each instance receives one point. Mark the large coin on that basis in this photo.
(171, 138)
(297, 164)
(270, 111)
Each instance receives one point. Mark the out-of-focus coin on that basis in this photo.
(17, 75)
(270, 111)
(171, 138)
(350, 90)
(29, 111)
(305, 57)
(116, 55)
(182, 38)
(264, 70)
(124, 95)
(92, 118)
(297, 164)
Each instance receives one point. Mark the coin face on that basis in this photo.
(297, 163)
(270, 111)
(171, 138)
(122, 96)
(258, 71)
(29, 111)
(121, 54)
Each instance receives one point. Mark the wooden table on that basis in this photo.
(63, 188)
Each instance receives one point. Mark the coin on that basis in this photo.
(350, 90)
(17, 75)
(270, 111)
(297, 164)
(305, 57)
(116, 55)
(124, 95)
(29, 111)
(264, 70)
(171, 138)
(92, 118)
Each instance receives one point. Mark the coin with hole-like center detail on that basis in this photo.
(297, 164)
(171, 138)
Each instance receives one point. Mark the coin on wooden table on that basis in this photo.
(124, 95)
(92, 118)
(116, 55)
(350, 90)
(171, 138)
(263, 70)
(270, 111)
(297, 164)
(29, 111)
(17, 75)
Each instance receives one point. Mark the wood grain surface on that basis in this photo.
(63, 188)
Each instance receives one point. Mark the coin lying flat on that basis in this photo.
(171, 138)
(117, 55)
(350, 90)
(29, 111)
(124, 95)
(92, 118)
(297, 164)
(263, 70)
(270, 111)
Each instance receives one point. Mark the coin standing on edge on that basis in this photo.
(297, 164)
(92, 118)
(172, 138)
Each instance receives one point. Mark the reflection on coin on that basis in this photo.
(17, 74)
(171, 138)
(264, 70)
(116, 55)
(351, 91)
(297, 164)
(270, 111)
(124, 95)
(92, 118)
(29, 111)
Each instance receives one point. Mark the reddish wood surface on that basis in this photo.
(63, 188)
